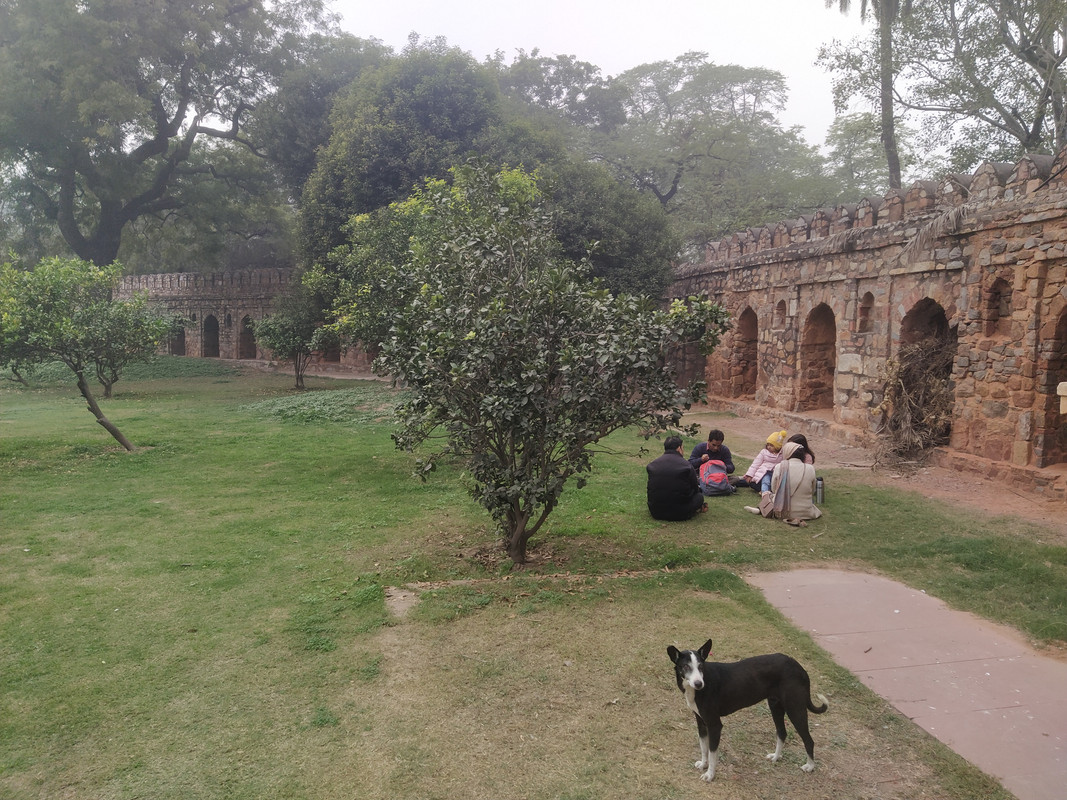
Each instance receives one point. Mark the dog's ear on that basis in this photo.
(705, 651)
(672, 651)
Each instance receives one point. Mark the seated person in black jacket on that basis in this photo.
(673, 489)
(713, 448)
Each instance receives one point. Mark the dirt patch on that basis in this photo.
(399, 600)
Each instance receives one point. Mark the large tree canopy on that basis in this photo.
(417, 115)
(856, 157)
(886, 14)
(103, 102)
(705, 141)
(982, 80)
(233, 215)
(412, 118)
(295, 121)
(625, 235)
(987, 76)
(572, 89)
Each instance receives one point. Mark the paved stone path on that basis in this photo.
(975, 685)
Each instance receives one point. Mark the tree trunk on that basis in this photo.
(301, 361)
(87, 393)
(516, 546)
(885, 63)
(102, 247)
(520, 531)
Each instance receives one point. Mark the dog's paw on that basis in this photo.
(809, 767)
(708, 776)
(773, 757)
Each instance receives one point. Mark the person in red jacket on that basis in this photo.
(712, 449)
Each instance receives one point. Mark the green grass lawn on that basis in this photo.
(205, 617)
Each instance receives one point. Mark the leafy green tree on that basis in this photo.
(987, 77)
(22, 231)
(512, 356)
(235, 214)
(295, 331)
(399, 124)
(886, 13)
(353, 278)
(102, 103)
(626, 235)
(294, 122)
(856, 158)
(705, 141)
(574, 90)
(63, 310)
(411, 118)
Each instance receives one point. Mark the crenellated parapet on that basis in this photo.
(218, 312)
(191, 285)
(820, 304)
(1034, 178)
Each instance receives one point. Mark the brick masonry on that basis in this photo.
(219, 311)
(820, 304)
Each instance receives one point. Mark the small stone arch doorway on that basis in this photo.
(920, 388)
(246, 339)
(176, 343)
(818, 360)
(1050, 441)
(925, 321)
(746, 354)
(210, 346)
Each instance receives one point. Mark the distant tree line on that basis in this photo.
(213, 136)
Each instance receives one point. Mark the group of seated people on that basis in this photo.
(782, 473)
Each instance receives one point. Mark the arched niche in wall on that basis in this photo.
(246, 340)
(925, 320)
(925, 359)
(210, 345)
(997, 308)
(863, 313)
(746, 354)
(1050, 441)
(779, 315)
(818, 360)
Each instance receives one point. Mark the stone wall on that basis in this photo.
(219, 311)
(820, 304)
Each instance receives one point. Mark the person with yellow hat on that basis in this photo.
(758, 475)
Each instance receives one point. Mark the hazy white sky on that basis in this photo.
(783, 35)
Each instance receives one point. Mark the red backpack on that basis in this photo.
(714, 480)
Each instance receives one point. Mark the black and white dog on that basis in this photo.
(713, 690)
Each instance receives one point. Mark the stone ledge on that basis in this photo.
(1049, 483)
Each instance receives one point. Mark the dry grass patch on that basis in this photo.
(489, 692)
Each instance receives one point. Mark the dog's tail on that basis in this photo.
(819, 709)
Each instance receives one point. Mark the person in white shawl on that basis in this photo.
(792, 489)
